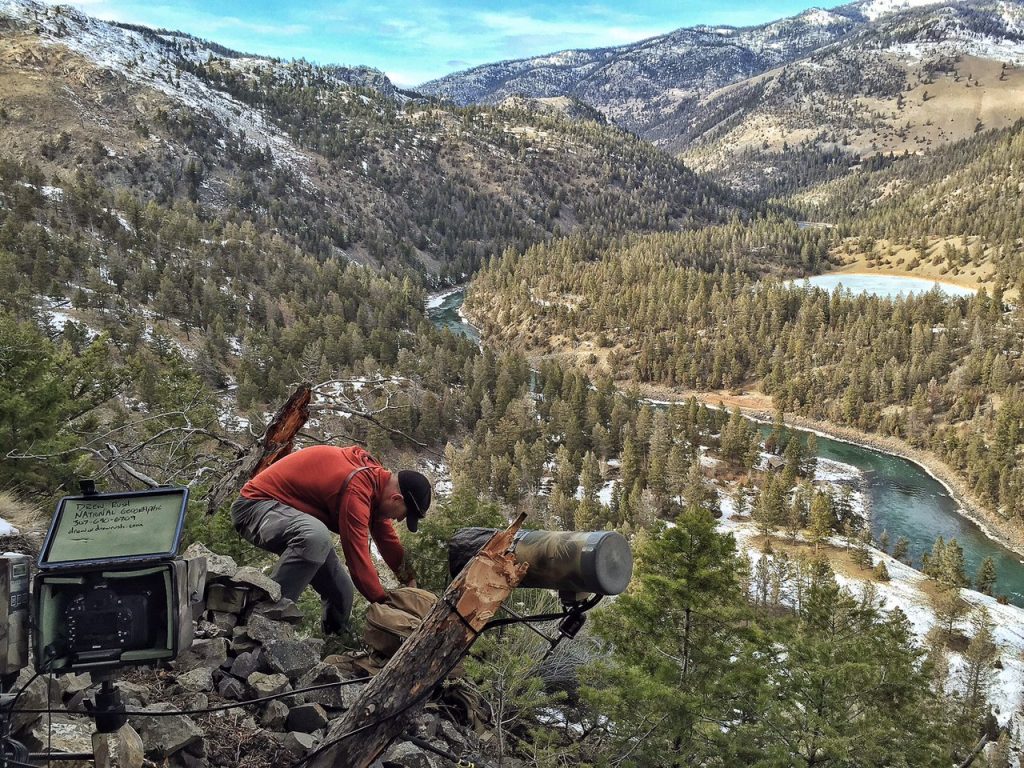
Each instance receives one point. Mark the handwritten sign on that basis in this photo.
(112, 527)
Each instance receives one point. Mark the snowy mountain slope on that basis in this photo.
(635, 84)
(333, 159)
(909, 82)
(149, 60)
(750, 104)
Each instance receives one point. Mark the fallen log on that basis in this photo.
(391, 700)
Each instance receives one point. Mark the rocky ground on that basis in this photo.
(237, 697)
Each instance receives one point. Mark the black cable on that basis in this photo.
(222, 707)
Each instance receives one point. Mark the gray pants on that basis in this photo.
(306, 549)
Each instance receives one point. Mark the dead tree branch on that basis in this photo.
(277, 441)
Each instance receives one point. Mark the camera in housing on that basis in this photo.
(111, 590)
(106, 620)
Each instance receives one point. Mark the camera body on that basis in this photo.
(103, 619)
(110, 590)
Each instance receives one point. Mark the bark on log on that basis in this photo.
(425, 659)
(277, 441)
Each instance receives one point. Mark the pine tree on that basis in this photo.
(660, 451)
(952, 566)
(588, 511)
(979, 665)
(900, 550)
(949, 609)
(769, 510)
(822, 519)
(985, 580)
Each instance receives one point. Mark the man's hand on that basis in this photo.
(406, 574)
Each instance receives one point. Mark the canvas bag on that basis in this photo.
(388, 624)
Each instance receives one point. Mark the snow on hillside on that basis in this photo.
(149, 61)
(876, 9)
(904, 591)
(983, 47)
(819, 17)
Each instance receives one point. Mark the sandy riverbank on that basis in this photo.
(759, 406)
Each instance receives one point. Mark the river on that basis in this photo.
(443, 311)
(904, 499)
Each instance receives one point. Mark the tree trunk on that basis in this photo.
(276, 442)
(392, 699)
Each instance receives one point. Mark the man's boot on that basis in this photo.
(332, 621)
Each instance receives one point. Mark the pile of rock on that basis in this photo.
(246, 648)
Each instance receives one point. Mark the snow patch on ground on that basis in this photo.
(876, 9)
(982, 47)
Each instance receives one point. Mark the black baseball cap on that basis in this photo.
(415, 490)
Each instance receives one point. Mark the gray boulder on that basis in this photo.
(217, 566)
(224, 621)
(241, 641)
(297, 743)
(291, 657)
(252, 577)
(209, 653)
(404, 754)
(245, 664)
(263, 630)
(72, 684)
(274, 716)
(198, 680)
(306, 718)
(263, 684)
(33, 697)
(231, 688)
(166, 735)
(335, 697)
(64, 733)
(283, 610)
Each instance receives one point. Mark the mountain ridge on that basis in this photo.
(837, 85)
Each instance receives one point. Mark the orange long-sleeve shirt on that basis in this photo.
(310, 480)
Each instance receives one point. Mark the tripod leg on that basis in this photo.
(101, 749)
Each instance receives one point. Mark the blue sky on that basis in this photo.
(415, 42)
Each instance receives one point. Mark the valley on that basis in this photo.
(647, 238)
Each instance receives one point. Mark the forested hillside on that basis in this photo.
(335, 169)
(942, 374)
(958, 208)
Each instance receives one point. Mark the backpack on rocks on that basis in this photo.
(388, 624)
